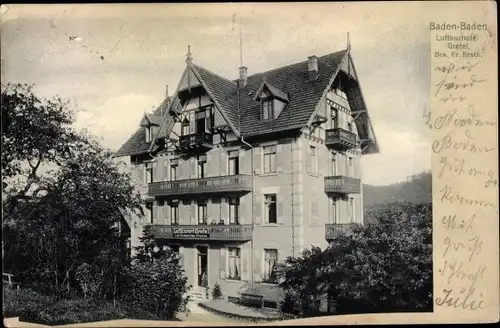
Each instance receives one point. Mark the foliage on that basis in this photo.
(30, 306)
(386, 266)
(217, 292)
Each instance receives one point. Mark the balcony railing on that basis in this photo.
(197, 140)
(228, 183)
(340, 139)
(334, 229)
(342, 185)
(203, 232)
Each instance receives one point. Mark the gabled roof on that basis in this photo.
(293, 80)
(137, 144)
(274, 91)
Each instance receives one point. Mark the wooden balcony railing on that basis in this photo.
(340, 139)
(334, 229)
(342, 185)
(228, 183)
(197, 140)
(203, 232)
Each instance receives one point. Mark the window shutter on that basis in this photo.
(223, 163)
(224, 209)
(193, 168)
(192, 124)
(166, 213)
(244, 258)
(155, 212)
(279, 158)
(258, 208)
(323, 161)
(155, 171)
(257, 272)
(222, 263)
(208, 121)
(166, 169)
(279, 208)
(245, 165)
(215, 164)
(258, 160)
(243, 209)
(193, 212)
(308, 160)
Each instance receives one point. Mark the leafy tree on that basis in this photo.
(156, 281)
(61, 230)
(386, 266)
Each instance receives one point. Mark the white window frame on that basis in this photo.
(238, 262)
(267, 105)
(266, 268)
(271, 154)
(267, 204)
(174, 214)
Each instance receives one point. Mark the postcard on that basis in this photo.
(232, 164)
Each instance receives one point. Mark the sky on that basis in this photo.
(113, 62)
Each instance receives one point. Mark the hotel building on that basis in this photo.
(240, 174)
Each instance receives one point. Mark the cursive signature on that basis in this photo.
(467, 299)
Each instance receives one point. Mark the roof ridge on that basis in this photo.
(220, 76)
(296, 63)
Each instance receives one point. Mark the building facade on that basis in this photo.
(240, 174)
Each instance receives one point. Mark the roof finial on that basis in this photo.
(189, 57)
(348, 41)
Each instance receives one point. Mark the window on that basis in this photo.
(270, 159)
(234, 163)
(149, 212)
(334, 211)
(270, 215)
(185, 128)
(173, 172)
(351, 171)
(174, 213)
(202, 212)
(234, 210)
(333, 115)
(234, 265)
(334, 164)
(312, 164)
(267, 109)
(202, 161)
(270, 262)
(149, 133)
(149, 173)
(351, 210)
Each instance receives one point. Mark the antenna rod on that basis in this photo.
(241, 42)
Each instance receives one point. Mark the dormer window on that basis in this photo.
(272, 101)
(149, 133)
(267, 108)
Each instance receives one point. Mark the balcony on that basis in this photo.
(223, 184)
(203, 232)
(342, 185)
(335, 229)
(196, 141)
(340, 139)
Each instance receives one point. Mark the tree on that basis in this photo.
(60, 230)
(156, 281)
(380, 267)
(36, 134)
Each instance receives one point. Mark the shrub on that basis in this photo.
(24, 302)
(217, 292)
(290, 304)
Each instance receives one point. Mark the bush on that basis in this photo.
(24, 302)
(290, 304)
(217, 292)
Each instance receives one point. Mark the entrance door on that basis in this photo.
(202, 265)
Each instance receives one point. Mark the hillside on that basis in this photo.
(417, 189)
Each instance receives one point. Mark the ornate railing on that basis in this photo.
(342, 185)
(228, 183)
(203, 232)
(195, 140)
(340, 139)
(334, 229)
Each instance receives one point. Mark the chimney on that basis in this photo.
(312, 62)
(243, 77)
(166, 91)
